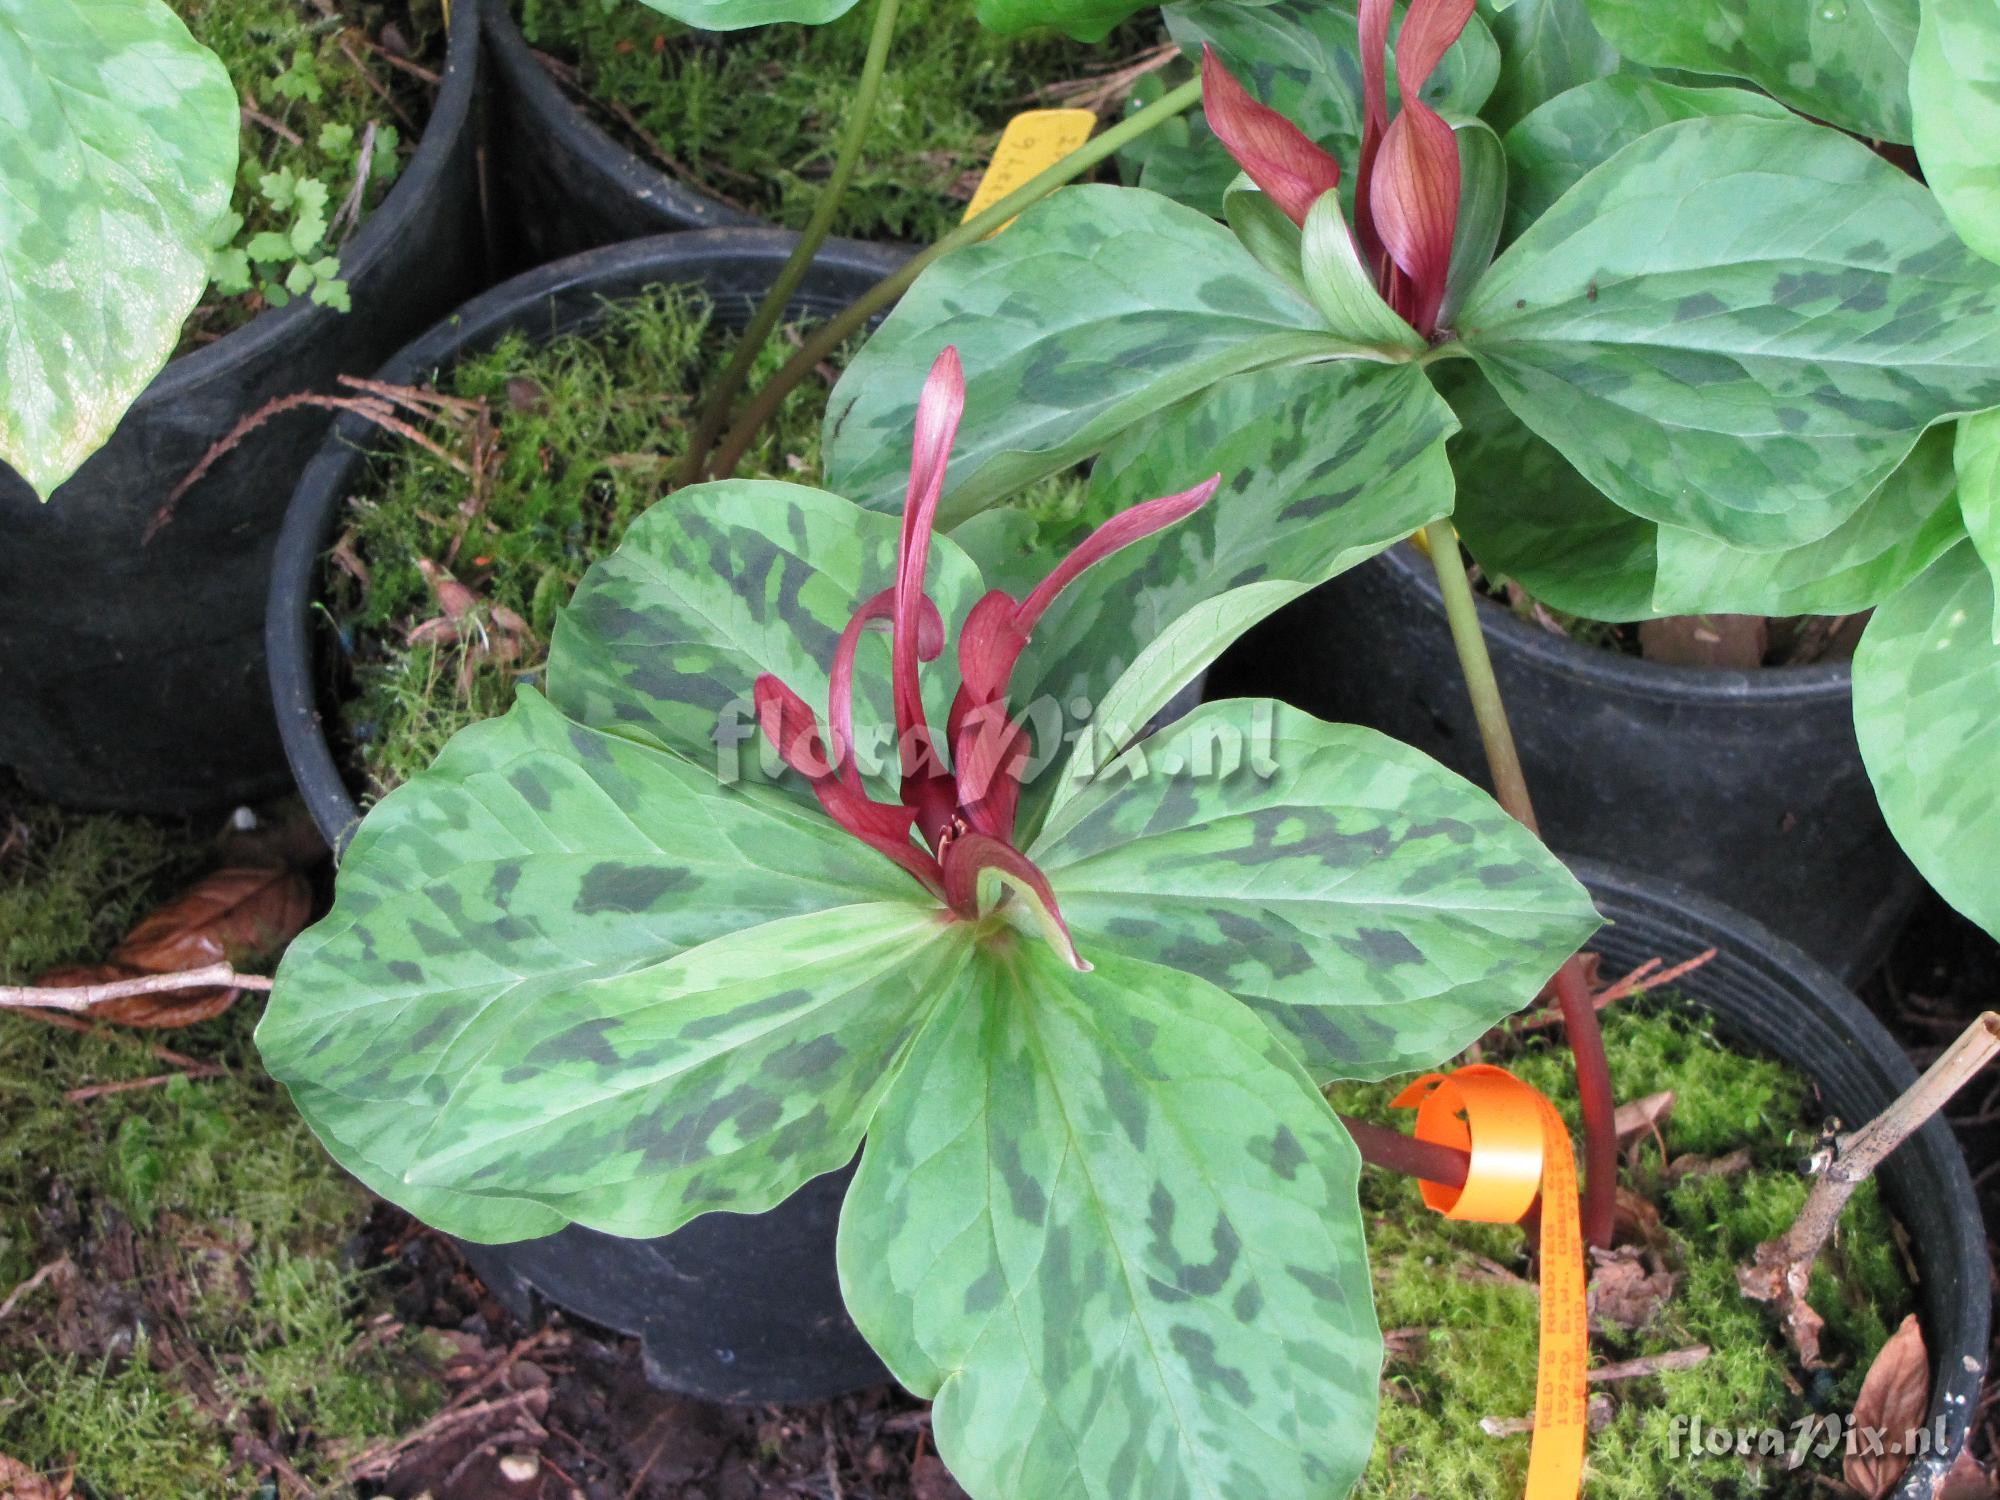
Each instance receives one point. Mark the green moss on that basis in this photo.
(585, 432)
(1471, 1358)
(205, 1222)
(755, 116)
(314, 78)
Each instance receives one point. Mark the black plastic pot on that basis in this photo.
(733, 1307)
(1747, 786)
(132, 670)
(568, 185)
(1766, 994)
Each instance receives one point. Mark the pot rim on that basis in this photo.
(581, 137)
(1930, 1166)
(1631, 676)
(407, 201)
(314, 507)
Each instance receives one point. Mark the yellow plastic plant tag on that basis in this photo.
(1033, 141)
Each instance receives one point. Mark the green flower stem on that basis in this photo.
(836, 330)
(1510, 786)
(866, 93)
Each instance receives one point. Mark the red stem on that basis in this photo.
(1593, 1092)
(1386, 1147)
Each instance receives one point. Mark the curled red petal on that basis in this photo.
(1280, 158)
(879, 610)
(938, 411)
(1372, 22)
(790, 726)
(972, 855)
(989, 642)
(1416, 205)
(1130, 525)
(988, 748)
(1428, 32)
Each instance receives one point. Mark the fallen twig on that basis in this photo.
(83, 996)
(278, 128)
(349, 211)
(61, 1266)
(1637, 982)
(1650, 1364)
(1781, 1268)
(378, 1460)
(126, 1086)
(1099, 91)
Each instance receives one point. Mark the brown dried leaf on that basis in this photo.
(1895, 1393)
(236, 915)
(1637, 1117)
(931, 1480)
(1635, 1220)
(1738, 641)
(1624, 1292)
(19, 1482)
(1968, 1479)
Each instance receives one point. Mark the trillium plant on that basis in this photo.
(1072, 995)
(1703, 346)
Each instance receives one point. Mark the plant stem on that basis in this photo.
(1510, 786)
(836, 330)
(1386, 1147)
(860, 116)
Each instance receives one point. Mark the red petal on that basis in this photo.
(1428, 31)
(1280, 158)
(791, 728)
(840, 694)
(970, 855)
(1373, 24)
(1128, 526)
(1416, 205)
(938, 411)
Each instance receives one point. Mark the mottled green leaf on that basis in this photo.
(121, 153)
(1546, 46)
(1843, 61)
(1099, 306)
(1110, 1227)
(666, 636)
(1526, 514)
(1955, 105)
(1301, 57)
(1755, 385)
(1264, 230)
(508, 890)
(1379, 911)
(1927, 711)
(1976, 457)
(726, 1077)
(1322, 467)
(1549, 150)
(1899, 531)
(735, 15)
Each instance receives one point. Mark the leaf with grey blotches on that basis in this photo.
(1927, 714)
(121, 132)
(1955, 108)
(1756, 387)
(1374, 908)
(1843, 61)
(1097, 307)
(1110, 1227)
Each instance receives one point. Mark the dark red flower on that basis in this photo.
(962, 811)
(1406, 180)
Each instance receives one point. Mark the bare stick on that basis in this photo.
(81, 997)
(125, 1086)
(350, 208)
(1783, 1267)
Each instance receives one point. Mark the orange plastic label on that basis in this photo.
(1519, 1146)
(1033, 141)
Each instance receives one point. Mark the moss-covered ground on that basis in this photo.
(755, 116)
(1471, 1355)
(579, 435)
(314, 82)
(202, 1297)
